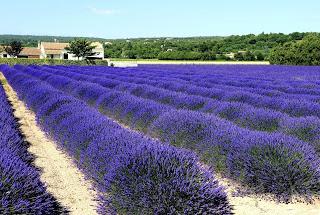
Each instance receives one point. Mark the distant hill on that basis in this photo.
(32, 41)
(204, 38)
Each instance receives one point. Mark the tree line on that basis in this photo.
(303, 52)
(32, 40)
(293, 49)
(245, 47)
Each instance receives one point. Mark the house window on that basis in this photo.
(5, 55)
(65, 56)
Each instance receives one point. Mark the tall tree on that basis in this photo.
(14, 48)
(81, 48)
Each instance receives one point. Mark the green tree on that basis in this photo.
(239, 56)
(249, 56)
(259, 56)
(14, 48)
(304, 52)
(81, 48)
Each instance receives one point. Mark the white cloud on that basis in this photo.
(101, 11)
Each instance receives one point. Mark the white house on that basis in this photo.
(98, 50)
(55, 50)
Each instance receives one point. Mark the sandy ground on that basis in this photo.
(256, 205)
(63, 179)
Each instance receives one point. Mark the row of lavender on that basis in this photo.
(293, 104)
(287, 79)
(272, 163)
(21, 191)
(253, 86)
(135, 175)
(292, 107)
(304, 128)
(274, 88)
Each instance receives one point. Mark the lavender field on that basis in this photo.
(156, 139)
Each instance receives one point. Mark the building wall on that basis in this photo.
(54, 56)
(42, 55)
(2, 55)
(51, 56)
(100, 53)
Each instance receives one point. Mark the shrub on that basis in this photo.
(140, 186)
(269, 163)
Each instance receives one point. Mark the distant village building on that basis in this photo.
(98, 50)
(230, 55)
(55, 50)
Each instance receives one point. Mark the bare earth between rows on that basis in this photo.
(69, 186)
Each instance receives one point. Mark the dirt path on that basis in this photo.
(62, 177)
(252, 205)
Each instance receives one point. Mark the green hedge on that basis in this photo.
(26, 61)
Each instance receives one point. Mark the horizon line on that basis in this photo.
(154, 37)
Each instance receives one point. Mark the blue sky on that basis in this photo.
(165, 18)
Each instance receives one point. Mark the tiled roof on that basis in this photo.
(30, 51)
(54, 46)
